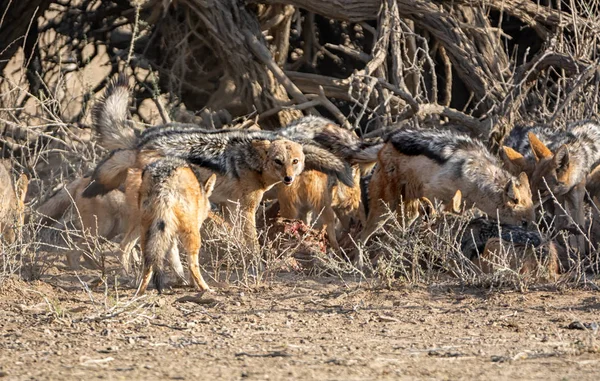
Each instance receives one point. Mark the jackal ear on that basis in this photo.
(209, 185)
(561, 159)
(540, 151)
(512, 191)
(456, 202)
(261, 147)
(321, 160)
(523, 179)
(513, 161)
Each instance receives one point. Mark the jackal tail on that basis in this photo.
(110, 116)
(55, 206)
(160, 238)
(367, 154)
(326, 162)
(111, 172)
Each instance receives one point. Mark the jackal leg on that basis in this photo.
(328, 218)
(191, 241)
(127, 246)
(175, 262)
(383, 196)
(573, 204)
(147, 271)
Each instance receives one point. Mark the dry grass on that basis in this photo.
(48, 137)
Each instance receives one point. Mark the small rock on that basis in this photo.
(583, 326)
(387, 319)
(500, 359)
(196, 299)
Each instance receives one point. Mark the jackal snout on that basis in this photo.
(518, 204)
(284, 159)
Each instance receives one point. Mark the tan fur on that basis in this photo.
(249, 188)
(133, 184)
(114, 173)
(514, 162)
(103, 216)
(456, 202)
(409, 178)
(279, 159)
(132, 224)
(391, 187)
(12, 204)
(315, 193)
(346, 201)
(181, 205)
(540, 151)
(499, 254)
(554, 177)
(557, 175)
(593, 183)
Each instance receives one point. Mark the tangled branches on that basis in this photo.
(474, 65)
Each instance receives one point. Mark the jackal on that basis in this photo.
(317, 194)
(247, 162)
(491, 246)
(12, 203)
(104, 215)
(566, 161)
(440, 163)
(173, 205)
(561, 163)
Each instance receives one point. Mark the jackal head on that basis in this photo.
(517, 208)
(552, 173)
(283, 160)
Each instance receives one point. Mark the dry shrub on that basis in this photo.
(443, 64)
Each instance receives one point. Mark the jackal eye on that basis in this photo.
(278, 161)
(295, 161)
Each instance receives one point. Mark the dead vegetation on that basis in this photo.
(422, 298)
(479, 67)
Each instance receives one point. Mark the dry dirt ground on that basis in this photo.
(295, 327)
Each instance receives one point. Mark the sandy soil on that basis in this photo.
(295, 327)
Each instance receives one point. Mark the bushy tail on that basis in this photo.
(55, 207)
(367, 154)
(111, 172)
(337, 140)
(110, 116)
(161, 237)
(324, 161)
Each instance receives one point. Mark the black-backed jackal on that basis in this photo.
(104, 215)
(247, 163)
(435, 164)
(319, 195)
(172, 206)
(12, 203)
(560, 164)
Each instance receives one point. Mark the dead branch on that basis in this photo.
(263, 55)
(537, 16)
